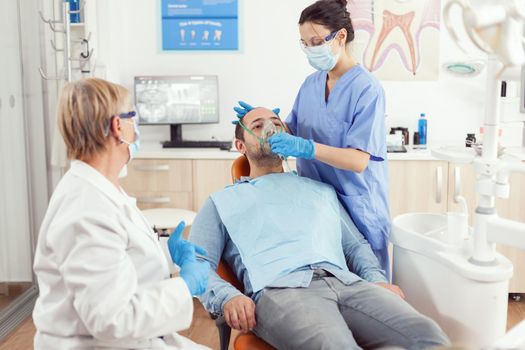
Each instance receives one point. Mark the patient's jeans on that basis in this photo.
(331, 315)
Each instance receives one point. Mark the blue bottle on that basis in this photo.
(422, 129)
(74, 5)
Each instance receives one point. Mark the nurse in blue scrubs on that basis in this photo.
(338, 123)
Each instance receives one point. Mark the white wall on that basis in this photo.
(269, 68)
(15, 227)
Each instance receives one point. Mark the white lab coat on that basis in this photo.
(104, 281)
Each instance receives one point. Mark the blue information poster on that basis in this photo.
(200, 25)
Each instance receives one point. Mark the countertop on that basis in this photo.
(152, 150)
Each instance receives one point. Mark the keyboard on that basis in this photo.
(224, 145)
(396, 149)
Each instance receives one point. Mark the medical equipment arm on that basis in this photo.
(495, 27)
(208, 232)
(358, 254)
(102, 279)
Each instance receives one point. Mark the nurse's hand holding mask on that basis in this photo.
(288, 145)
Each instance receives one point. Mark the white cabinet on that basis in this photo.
(417, 186)
(185, 183)
(210, 176)
(160, 183)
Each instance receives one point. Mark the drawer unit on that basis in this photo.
(159, 183)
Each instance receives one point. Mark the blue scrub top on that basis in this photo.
(353, 117)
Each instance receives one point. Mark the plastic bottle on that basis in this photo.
(74, 5)
(416, 139)
(470, 140)
(422, 129)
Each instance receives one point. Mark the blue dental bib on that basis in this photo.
(281, 222)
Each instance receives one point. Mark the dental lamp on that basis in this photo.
(495, 27)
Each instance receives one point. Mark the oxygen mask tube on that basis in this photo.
(270, 129)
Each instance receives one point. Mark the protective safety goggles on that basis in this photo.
(318, 41)
(125, 116)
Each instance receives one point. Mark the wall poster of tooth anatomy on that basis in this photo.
(200, 25)
(397, 39)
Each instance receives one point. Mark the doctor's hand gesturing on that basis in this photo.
(194, 272)
(239, 313)
(180, 249)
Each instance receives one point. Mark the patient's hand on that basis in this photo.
(393, 288)
(239, 313)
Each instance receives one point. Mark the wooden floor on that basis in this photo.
(202, 329)
(11, 291)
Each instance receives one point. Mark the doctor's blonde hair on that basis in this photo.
(84, 112)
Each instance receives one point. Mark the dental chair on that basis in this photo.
(248, 341)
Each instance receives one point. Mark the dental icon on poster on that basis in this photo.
(217, 35)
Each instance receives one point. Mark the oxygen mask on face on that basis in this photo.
(270, 129)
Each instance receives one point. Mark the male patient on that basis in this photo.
(310, 278)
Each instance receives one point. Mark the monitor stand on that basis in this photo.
(176, 141)
(175, 136)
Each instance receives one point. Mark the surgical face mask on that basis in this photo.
(321, 57)
(133, 147)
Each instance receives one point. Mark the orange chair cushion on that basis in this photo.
(240, 167)
(250, 341)
(225, 272)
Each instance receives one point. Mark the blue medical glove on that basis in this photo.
(180, 249)
(195, 274)
(243, 109)
(288, 145)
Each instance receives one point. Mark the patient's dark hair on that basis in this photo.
(331, 14)
(239, 131)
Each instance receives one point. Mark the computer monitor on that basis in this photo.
(177, 100)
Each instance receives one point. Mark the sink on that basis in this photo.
(439, 280)
(421, 223)
(429, 227)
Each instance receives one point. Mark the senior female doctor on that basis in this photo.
(338, 122)
(103, 279)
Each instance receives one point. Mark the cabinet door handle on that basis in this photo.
(152, 168)
(154, 200)
(439, 183)
(457, 181)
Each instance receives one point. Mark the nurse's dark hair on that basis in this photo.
(332, 14)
